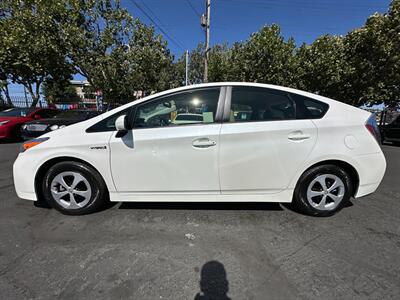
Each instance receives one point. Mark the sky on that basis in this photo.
(235, 20)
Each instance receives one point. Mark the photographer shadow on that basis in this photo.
(214, 284)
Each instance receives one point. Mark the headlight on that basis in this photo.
(24, 126)
(32, 143)
(62, 126)
(3, 123)
(54, 127)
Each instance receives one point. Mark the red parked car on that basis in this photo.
(12, 119)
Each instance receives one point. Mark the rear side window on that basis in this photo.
(253, 104)
(308, 108)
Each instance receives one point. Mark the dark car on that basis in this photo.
(391, 132)
(36, 128)
(11, 120)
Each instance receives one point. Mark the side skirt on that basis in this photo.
(283, 196)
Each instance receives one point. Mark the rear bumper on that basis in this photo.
(371, 169)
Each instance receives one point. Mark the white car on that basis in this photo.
(289, 145)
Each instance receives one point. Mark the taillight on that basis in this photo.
(372, 127)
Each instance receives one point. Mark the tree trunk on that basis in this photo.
(35, 95)
(7, 94)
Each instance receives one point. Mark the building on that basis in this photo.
(87, 99)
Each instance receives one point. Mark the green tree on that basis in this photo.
(59, 91)
(196, 64)
(373, 53)
(4, 88)
(322, 67)
(116, 53)
(218, 63)
(29, 52)
(266, 57)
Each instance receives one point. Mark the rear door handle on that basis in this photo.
(203, 143)
(298, 136)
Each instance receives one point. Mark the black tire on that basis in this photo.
(99, 194)
(300, 199)
(383, 138)
(16, 134)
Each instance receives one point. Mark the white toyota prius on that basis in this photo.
(228, 142)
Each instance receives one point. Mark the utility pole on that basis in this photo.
(205, 22)
(187, 68)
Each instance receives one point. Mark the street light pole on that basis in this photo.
(187, 68)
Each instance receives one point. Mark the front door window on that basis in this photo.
(185, 108)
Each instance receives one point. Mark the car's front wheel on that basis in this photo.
(322, 190)
(74, 188)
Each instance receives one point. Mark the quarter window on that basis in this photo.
(186, 108)
(308, 108)
(251, 104)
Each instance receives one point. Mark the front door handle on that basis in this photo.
(203, 143)
(298, 136)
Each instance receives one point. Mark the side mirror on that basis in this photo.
(120, 126)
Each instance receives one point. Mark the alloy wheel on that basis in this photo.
(325, 192)
(71, 190)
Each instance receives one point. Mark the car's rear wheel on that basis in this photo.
(323, 190)
(74, 188)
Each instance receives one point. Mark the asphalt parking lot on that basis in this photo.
(172, 251)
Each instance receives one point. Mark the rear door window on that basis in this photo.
(254, 104)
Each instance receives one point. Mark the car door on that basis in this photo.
(161, 156)
(392, 130)
(262, 144)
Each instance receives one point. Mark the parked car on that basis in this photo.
(4, 106)
(293, 146)
(38, 127)
(12, 119)
(391, 132)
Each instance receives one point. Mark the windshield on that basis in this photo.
(75, 114)
(16, 112)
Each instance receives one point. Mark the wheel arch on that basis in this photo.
(51, 162)
(347, 167)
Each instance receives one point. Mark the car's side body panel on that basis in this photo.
(258, 157)
(164, 160)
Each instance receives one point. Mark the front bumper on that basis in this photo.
(24, 177)
(28, 135)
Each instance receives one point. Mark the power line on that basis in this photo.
(302, 6)
(180, 46)
(305, 4)
(152, 12)
(193, 8)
